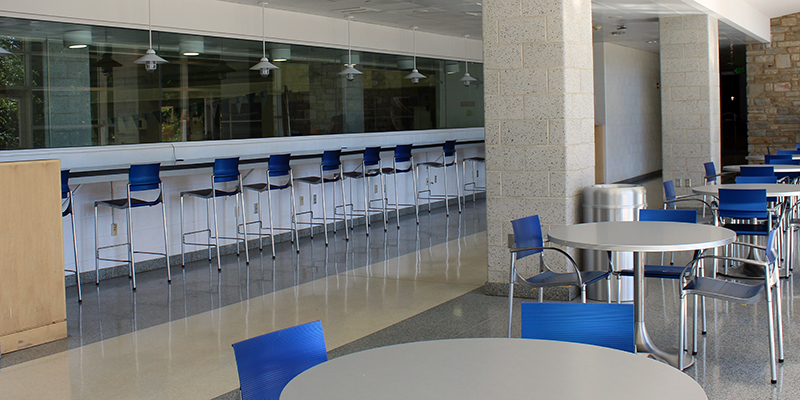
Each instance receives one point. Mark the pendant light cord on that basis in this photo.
(263, 32)
(149, 24)
(349, 46)
(466, 63)
(414, 40)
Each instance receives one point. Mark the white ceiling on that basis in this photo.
(460, 17)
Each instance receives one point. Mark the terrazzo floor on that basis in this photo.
(173, 341)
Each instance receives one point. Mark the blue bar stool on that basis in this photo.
(141, 178)
(472, 186)
(225, 170)
(448, 159)
(369, 169)
(67, 209)
(279, 177)
(330, 171)
(403, 162)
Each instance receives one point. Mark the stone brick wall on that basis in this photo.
(773, 88)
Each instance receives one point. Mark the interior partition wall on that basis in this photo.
(70, 85)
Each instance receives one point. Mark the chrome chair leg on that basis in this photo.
(513, 273)
(130, 244)
(75, 250)
(166, 242)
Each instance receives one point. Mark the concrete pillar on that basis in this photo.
(690, 104)
(539, 117)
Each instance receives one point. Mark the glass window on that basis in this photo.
(68, 85)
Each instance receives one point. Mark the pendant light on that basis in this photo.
(415, 75)
(150, 59)
(349, 70)
(263, 66)
(466, 79)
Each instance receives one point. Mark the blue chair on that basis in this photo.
(661, 271)
(785, 152)
(597, 324)
(757, 170)
(696, 284)
(671, 199)
(448, 159)
(279, 177)
(226, 171)
(472, 185)
(142, 179)
(330, 171)
(402, 162)
(268, 362)
(528, 241)
(67, 209)
(756, 179)
(368, 170)
(711, 174)
(739, 205)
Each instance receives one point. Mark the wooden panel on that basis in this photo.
(599, 154)
(32, 249)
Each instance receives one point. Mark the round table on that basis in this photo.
(641, 237)
(778, 168)
(773, 189)
(492, 368)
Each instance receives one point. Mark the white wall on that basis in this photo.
(632, 106)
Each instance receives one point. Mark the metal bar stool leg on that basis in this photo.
(75, 251)
(166, 241)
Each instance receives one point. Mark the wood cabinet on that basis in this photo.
(32, 304)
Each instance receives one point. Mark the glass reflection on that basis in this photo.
(53, 94)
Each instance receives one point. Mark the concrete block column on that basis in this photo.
(539, 106)
(690, 103)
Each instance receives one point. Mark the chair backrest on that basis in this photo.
(144, 177)
(783, 161)
(226, 169)
(449, 148)
(599, 324)
(688, 216)
(268, 362)
(527, 233)
(779, 156)
(278, 165)
(711, 172)
(771, 256)
(757, 179)
(331, 160)
(669, 190)
(372, 156)
(757, 170)
(64, 183)
(743, 203)
(402, 153)
(791, 152)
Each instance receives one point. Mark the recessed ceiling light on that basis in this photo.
(615, 17)
(652, 41)
(617, 33)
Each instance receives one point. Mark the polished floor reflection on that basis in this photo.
(173, 341)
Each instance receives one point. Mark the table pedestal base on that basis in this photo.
(645, 345)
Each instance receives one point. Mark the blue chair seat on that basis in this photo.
(550, 278)
(725, 290)
(748, 229)
(261, 187)
(206, 193)
(656, 271)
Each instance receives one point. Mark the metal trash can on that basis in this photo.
(614, 202)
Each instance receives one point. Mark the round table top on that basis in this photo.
(773, 189)
(641, 236)
(778, 168)
(492, 368)
(760, 157)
